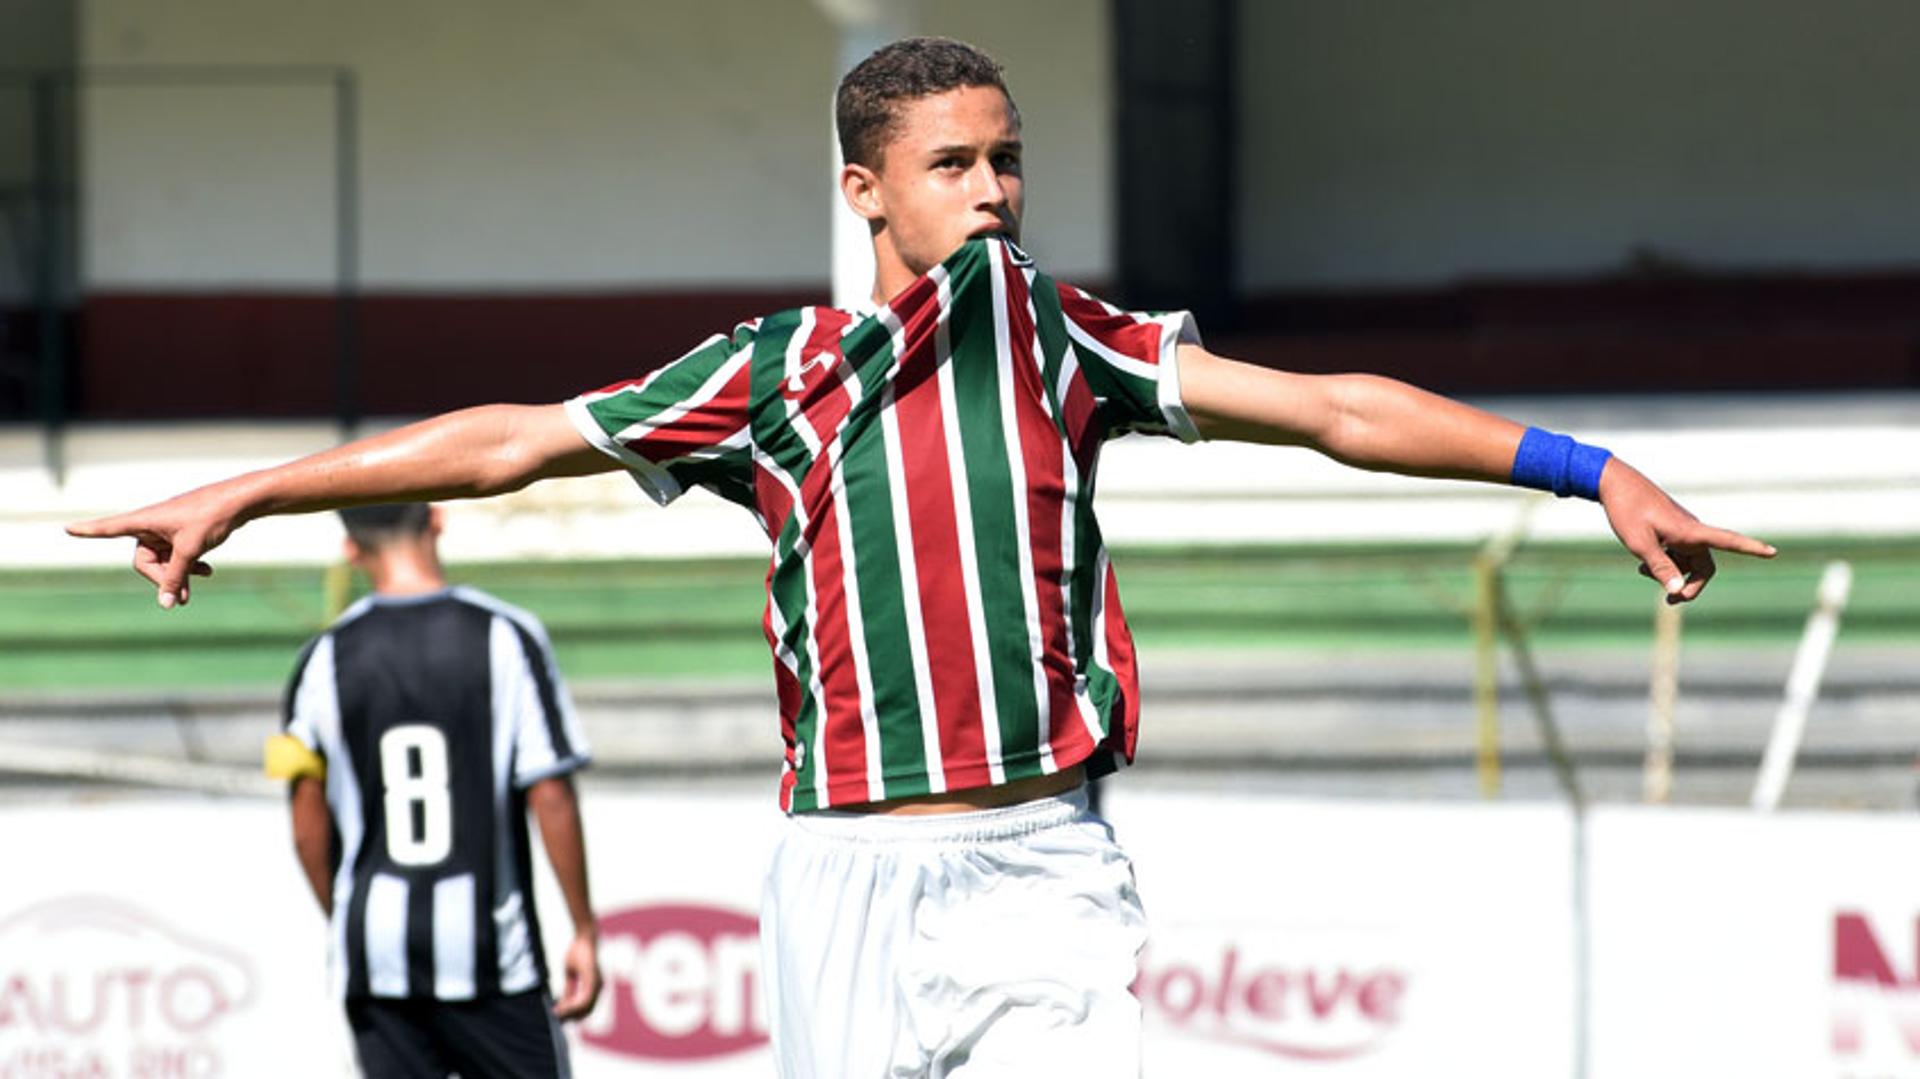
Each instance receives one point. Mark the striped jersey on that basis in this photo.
(434, 713)
(940, 605)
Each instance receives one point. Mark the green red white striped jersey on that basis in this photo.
(940, 604)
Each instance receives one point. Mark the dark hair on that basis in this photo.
(374, 527)
(866, 109)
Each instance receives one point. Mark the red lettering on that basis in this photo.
(681, 984)
(1181, 1004)
(32, 1063)
(1323, 999)
(1279, 1009)
(1849, 1033)
(64, 1019)
(1223, 994)
(190, 998)
(136, 999)
(1846, 1035)
(172, 1062)
(18, 1006)
(1266, 994)
(1380, 997)
(1857, 956)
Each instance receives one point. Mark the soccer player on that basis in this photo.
(950, 656)
(420, 729)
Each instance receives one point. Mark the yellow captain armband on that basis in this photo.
(289, 758)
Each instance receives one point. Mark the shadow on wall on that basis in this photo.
(275, 355)
(1658, 327)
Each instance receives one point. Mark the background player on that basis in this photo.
(964, 911)
(420, 729)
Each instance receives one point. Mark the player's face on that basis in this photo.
(951, 172)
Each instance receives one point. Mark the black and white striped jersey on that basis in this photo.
(434, 713)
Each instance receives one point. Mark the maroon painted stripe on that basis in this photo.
(252, 354)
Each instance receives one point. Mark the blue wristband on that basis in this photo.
(1550, 462)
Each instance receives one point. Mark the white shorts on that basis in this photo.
(997, 943)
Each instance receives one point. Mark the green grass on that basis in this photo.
(69, 631)
(1585, 595)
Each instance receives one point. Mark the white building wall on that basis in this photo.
(1405, 142)
(588, 145)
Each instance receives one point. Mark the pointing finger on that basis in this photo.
(1725, 540)
(120, 524)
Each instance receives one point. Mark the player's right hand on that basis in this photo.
(1675, 549)
(169, 539)
(583, 979)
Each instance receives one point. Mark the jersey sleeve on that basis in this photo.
(534, 703)
(1131, 362)
(310, 705)
(309, 716)
(685, 425)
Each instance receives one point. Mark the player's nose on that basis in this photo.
(989, 192)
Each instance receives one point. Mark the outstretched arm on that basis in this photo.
(555, 806)
(472, 453)
(1387, 426)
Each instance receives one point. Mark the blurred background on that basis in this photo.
(1494, 774)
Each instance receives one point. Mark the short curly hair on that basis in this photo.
(383, 525)
(866, 108)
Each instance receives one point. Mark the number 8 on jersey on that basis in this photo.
(419, 801)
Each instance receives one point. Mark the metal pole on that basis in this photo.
(346, 133)
(1803, 684)
(1536, 688)
(1486, 674)
(1569, 780)
(1582, 946)
(336, 585)
(1487, 567)
(53, 374)
(1664, 693)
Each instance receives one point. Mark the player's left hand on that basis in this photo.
(1675, 549)
(583, 979)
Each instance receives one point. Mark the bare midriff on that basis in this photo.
(966, 801)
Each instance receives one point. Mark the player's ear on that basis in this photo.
(436, 520)
(860, 186)
(350, 551)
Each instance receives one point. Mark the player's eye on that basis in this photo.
(1007, 162)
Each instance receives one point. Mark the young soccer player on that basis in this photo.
(420, 730)
(949, 651)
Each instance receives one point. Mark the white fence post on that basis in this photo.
(1809, 663)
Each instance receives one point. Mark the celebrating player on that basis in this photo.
(420, 728)
(949, 650)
